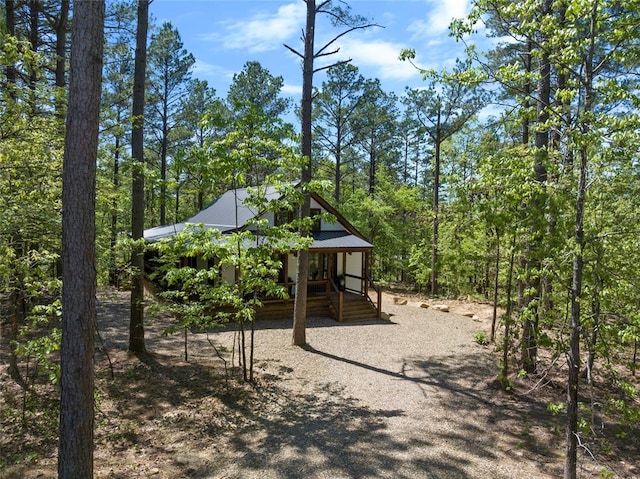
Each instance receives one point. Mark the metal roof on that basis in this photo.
(223, 213)
(161, 232)
(338, 240)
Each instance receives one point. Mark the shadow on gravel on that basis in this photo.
(194, 426)
(315, 322)
(477, 415)
(183, 416)
(334, 437)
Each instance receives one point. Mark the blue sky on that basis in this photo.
(223, 35)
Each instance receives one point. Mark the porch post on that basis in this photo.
(365, 273)
(344, 267)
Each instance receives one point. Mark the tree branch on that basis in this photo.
(294, 51)
(336, 38)
(342, 62)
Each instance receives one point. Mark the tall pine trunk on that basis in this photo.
(136, 324)
(75, 453)
(300, 303)
(537, 208)
(573, 356)
(436, 207)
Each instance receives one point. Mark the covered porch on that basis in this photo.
(338, 286)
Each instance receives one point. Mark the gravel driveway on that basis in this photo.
(412, 397)
(406, 398)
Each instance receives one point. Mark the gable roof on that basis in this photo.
(229, 213)
(223, 214)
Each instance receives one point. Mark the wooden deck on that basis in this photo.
(355, 307)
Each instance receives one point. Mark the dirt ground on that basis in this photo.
(414, 396)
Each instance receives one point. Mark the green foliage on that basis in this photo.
(506, 383)
(228, 276)
(393, 220)
(30, 222)
(481, 338)
(607, 473)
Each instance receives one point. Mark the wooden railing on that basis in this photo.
(378, 304)
(327, 286)
(365, 284)
(340, 307)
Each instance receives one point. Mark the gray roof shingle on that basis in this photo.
(223, 215)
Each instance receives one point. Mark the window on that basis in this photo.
(315, 214)
(284, 217)
(317, 266)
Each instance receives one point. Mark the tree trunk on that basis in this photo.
(10, 68)
(136, 324)
(300, 303)
(436, 206)
(496, 282)
(336, 193)
(113, 273)
(163, 156)
(537, 208)
(61, 45)
(506, 341)
(573, 357)
(75, 453)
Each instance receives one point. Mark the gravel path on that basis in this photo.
(406, 398)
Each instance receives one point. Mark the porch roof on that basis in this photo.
(338, 240)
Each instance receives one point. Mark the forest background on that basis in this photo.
(535, 208)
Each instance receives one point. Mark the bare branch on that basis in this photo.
(349, 30)
(319, 8)
(326, 54)
(342, 62)
(294, 51)
(612, 233)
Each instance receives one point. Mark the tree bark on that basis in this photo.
(536, 210)
(10, 68)
(113, 273)
(300, 303)
(136, 323)
(61, 49)
(75, 453)
(436, 206)
(573, 357)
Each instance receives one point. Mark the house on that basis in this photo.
(339, 283)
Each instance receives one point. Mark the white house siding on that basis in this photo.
(292, 267)
(354, 267)
(229, 274)
(325, 225)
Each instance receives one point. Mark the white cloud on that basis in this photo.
(264, 31)
(209, 71)
(379, 56)
(291, 89)
(440, 14)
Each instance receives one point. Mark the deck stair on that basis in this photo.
(355, 307)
